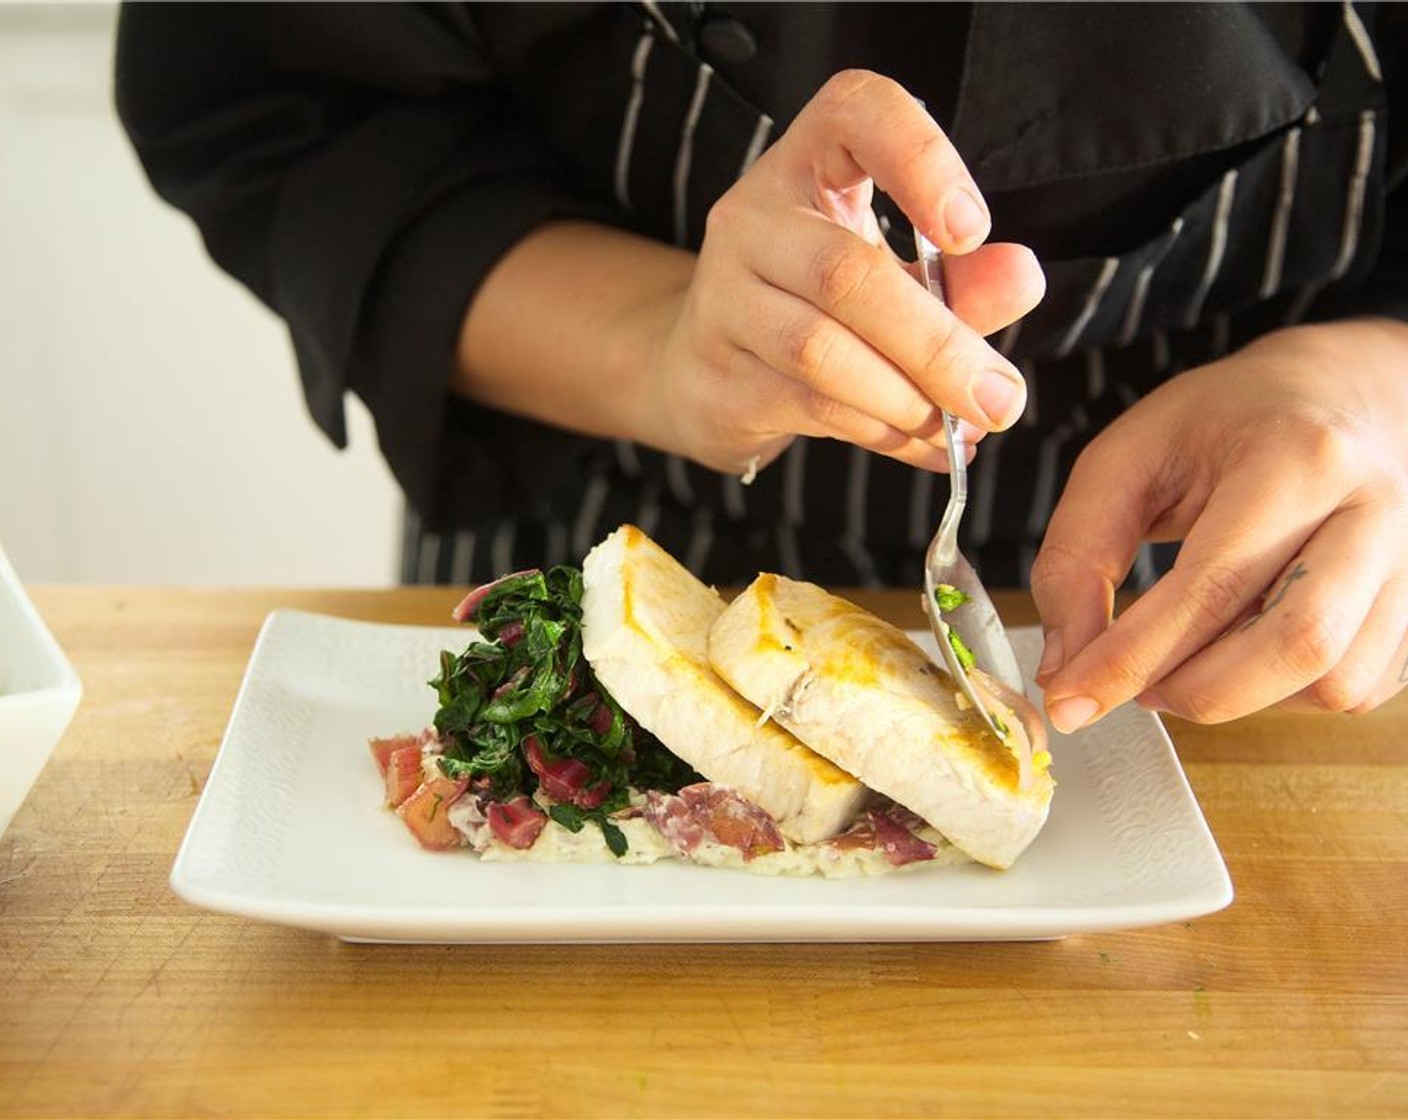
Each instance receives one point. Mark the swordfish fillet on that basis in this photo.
(858, 691)
(645, 627)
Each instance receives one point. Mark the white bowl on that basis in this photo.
(39, 692)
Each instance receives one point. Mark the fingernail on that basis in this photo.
(1152, 701)
(1072, 713)
(1051, 654)
(1000, 395)
(965, 219)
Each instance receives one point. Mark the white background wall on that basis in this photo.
(151, 425)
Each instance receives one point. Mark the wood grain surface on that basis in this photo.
(118, 999)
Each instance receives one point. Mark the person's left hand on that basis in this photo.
(1284, 470)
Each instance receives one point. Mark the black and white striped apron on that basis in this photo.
(1249, 254)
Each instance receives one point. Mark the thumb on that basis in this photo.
(1090, 544)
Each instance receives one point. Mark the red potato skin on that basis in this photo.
(383, 749)
(426, 813)
(403, 775)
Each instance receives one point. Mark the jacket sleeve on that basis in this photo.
(359, 168)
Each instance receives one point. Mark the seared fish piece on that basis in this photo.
(858, 691)
(645, 629)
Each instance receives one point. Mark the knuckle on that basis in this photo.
(923, 420)
(1369, 703)
(734, 366)
(886, 441)
(1334, 450)
(1202, 703)
(1127, 672)
(1096, 458)
(1312, 644)
(826, 412)
(724, 215)
(934, 150)
(846, 84)
(805, 346)
(1341, 691)
(943, 350)
(1328, 445)
(1217, 593)
(840, 272)
(1052, 563)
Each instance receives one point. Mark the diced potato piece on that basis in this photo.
(426, 813)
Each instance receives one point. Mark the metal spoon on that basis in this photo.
(945, 567)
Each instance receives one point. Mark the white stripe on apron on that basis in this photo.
(429, 558)
(734, 504)
(1094, 373)
(1354, 201)
(686, 153)
(794, 477)
(627, 458)
(648, 515)
(788, 554)
(1134, 313)
(1217, 248)
(678, 479)
(557, 544)
(584, 531)
(1160, 358)
(1044, 492)
(1355, 26)
(1145, 574)
(1008, 339)
(1029, 411)
(983, 491)
(631, 119)
(1300, 305)
(501, 550)
(410, 544)
(1353, 220)
(462, 559)
(853, 540)
(658, 16)
(755, 145)
(1281, 220)
(921, 517)
(1092, 304)
(1221, 334)
(701, 541)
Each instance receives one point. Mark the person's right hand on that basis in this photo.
(798, 320)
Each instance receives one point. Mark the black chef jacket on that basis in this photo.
(1191, 175)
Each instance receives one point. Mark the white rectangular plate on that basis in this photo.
(291, 829)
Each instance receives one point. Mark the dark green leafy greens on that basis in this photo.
(574, 820)
(526, 694)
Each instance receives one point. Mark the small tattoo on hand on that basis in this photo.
(1273, 599)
